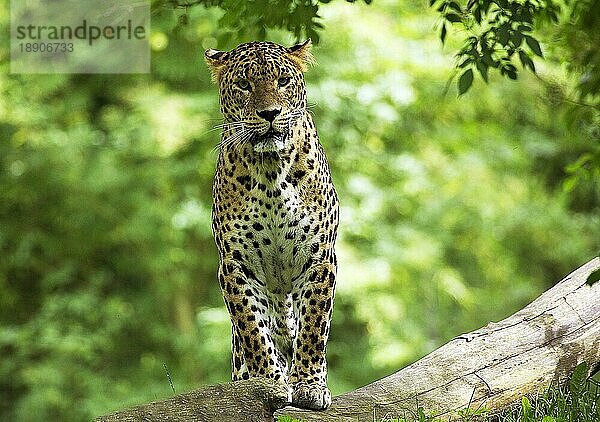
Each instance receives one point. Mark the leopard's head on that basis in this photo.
(262, 91)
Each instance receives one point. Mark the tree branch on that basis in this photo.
(488, 368)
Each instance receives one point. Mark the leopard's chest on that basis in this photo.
(275, 232)
(271, 229)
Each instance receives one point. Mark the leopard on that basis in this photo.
(275, 215)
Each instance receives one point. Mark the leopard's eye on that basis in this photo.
(283, 81)
(244, 84)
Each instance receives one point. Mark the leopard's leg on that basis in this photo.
(239, 371)
(253, 345)
(282, 326)
(308, 376)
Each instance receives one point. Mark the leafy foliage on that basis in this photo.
(578, 400)
(253, 19)
(581, 41)
(285, 418)
(501, 29)
(593, 278)
(497, 32)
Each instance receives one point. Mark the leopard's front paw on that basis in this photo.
(276, 394)
(311, 396)
(281, 395)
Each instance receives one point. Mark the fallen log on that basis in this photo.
(241, 401)
(488, 368)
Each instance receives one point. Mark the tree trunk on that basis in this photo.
(488, 368)
(241, 401)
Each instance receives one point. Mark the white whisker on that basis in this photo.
(227, 141)
(234, 140)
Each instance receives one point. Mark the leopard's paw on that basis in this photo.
(281, 396)
(276, 394)
(311, 396)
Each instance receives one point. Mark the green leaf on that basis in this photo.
(455, 6)
(486, 6)
(466, 62)
(482, 67)
(526, 61)
(578, 379)
(477, 15)
(534, 45)
(593, 278)
(524, 28)
(516, 37)
(526, 408)
(486, 58)
(453, 17)
(502, 34)
(286, 418)
(509, 70)
(465, 81)
(443, 33)
(526, 16)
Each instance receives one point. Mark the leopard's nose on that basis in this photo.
(269, 115)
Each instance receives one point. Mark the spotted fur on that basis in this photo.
(274, 219)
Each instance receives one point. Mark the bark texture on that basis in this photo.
(491, 367)
(241, 401)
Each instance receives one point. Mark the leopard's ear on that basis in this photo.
(216, 61)
(301, 55)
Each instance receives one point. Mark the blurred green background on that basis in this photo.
(455, 211)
